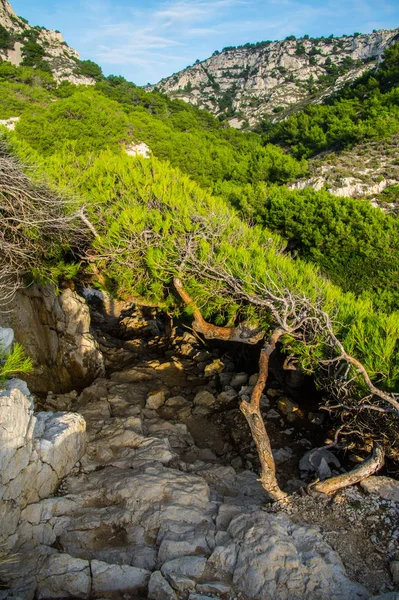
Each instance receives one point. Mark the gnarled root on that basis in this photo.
(213, 332)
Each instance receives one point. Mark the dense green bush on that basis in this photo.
(5, 38)
(88, 68)
(126, 197)
(85, 121)
(354, 244)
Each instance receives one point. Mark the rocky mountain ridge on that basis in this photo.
(270, 80)
(21, 42)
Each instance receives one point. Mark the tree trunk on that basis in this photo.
(252, 413)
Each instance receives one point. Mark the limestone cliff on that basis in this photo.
(18, 35)
(55, 332)
(270, 80)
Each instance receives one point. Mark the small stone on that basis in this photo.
(155, 400)
(159, 588)
(272, 393)
(176, 402)
(217, 366)
(180, 583)
(184, 413)
(272, 414)
(253, 379)
(287, 406)
(237, 463)
(64, 576)
(204, 398)
(189, 566)
(225, 378)
(282, 455)
(316, 418)
(213, 587)
(264, 401)
(118, 578)
(227, 396)
(239, 379)
(202, 356)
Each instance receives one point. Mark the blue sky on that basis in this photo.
(145, 40)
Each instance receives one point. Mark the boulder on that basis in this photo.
(54, 330)
(36, 452)
(204, 398)
(123, 579)
(159, 588)
(382, 486)
(280, 559)
(155, 400)
(63, 576)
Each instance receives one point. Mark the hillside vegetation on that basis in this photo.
(208, 208)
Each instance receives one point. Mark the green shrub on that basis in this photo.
(6, 40)
(15, 363)
(88, 68)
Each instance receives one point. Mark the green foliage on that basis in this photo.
(86, 120)
(36, 78)
(33, 54)
(88, 68)
(356, 246)
(127, 196)
(15, 98)
(367, 110)
(5, 38)
(190, 139)
(15, 363)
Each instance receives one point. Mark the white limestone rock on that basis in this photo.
(382, 486)
(138, 150)
(279, 559)
(159, 588)
(6, 338)
(108, 579)
(63, 576)
(36, 452)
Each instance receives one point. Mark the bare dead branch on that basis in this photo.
(368, 467)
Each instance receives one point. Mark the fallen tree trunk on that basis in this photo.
(368, 467)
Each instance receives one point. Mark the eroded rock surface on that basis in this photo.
(148, 511)
(55, 333)
(36, 452)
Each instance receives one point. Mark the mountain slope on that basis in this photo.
(36, 46)
(272, 79)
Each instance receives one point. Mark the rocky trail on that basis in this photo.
(161, 500)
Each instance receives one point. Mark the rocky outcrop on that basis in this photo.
(150, 512)
(61, 59)
(271, 79)
(36, 452)
(55, 332)
(368, 170)
(161, 506)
